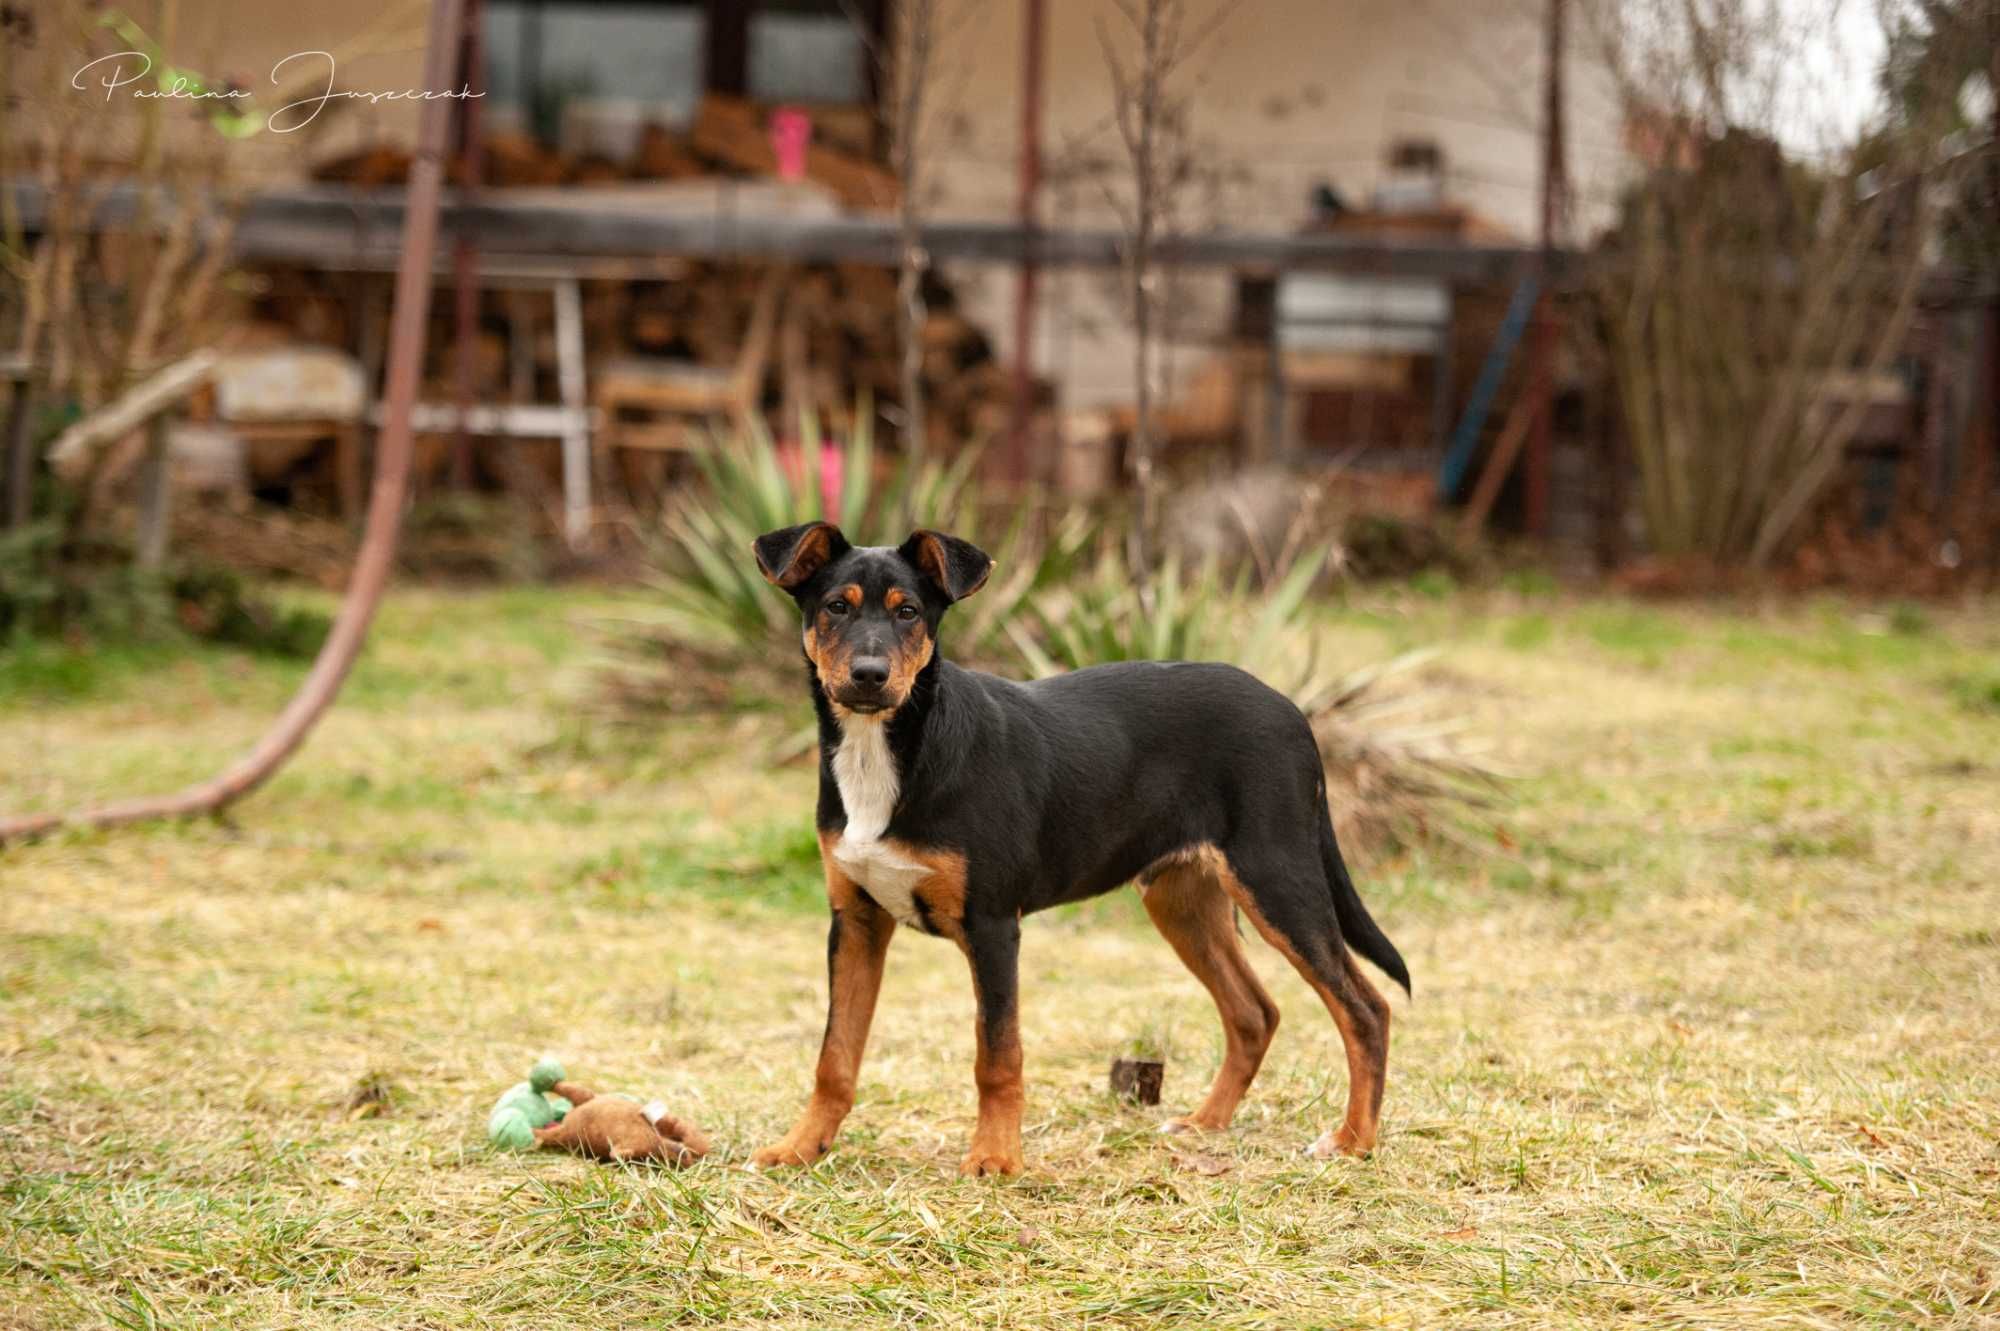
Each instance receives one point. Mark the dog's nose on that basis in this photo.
(870, 671)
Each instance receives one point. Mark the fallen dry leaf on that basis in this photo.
(1202, 1164)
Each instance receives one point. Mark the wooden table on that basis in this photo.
(571, 418)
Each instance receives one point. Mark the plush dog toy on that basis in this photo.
(548, 1111)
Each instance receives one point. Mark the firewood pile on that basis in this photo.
(835, 344)
(833, 340)
(728, 139)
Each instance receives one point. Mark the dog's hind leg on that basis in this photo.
(1285, 895)
(1192, 911)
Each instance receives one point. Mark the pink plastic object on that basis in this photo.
(791, 131)
(832, 476)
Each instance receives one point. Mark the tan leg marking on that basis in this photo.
(996, 1070)
(854, 981)
(1192, 911)
(1358, 1010)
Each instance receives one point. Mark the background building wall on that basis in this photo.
(1284, 96)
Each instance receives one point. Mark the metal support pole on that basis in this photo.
(1542, 347)
(464, 254)
(1021, 465)
(1984, 545)
(576, 438)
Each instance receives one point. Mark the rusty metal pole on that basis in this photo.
(1021, 468)
(376, 559)
(464, 254)
(1542, 351)
(1985, 547)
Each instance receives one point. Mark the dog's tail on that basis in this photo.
(1357, 926)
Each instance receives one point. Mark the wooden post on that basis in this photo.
(155, 497)
(729, 47)
(20, 453)
(1520, 424)
(576, 437)
(1608, 428)
(348, 471)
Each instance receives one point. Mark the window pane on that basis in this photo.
(646, 57)
(806, 58)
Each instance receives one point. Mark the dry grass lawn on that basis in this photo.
(1706, 1038)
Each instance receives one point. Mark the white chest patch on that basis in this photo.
(865, 772)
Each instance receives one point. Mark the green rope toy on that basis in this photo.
(527, 1105)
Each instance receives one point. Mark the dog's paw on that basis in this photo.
(1339, 1142)
(980, 1163)
(786, 1155)
(1191, 1123)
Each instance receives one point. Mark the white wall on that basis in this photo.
(1285, 95)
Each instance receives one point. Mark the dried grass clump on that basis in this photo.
(1737, 1073)
(1400, 768)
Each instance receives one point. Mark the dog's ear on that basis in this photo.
(791, 555)
(958, 567)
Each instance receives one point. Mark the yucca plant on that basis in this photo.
(1400, 768)
(1395, 773)
(716, 613)
(1196, 615)
(711, 595)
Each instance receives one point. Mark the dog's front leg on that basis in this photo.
(993, 946)
(856, 945)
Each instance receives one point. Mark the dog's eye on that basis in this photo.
(837, 607)
(906, 612)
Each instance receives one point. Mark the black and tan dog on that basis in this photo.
(955, 802)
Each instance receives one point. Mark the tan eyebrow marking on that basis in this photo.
(895, 597)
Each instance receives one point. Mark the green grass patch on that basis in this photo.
(1977, 692)
(1634, 631)
(764, 865)
(1701, 1034)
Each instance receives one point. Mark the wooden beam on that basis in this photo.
(131, 409)
(347, 227)
(1506, 449)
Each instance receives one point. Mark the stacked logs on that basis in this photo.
(728, 139)
(835, 344)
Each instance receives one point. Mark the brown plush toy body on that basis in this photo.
(611, 1127)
